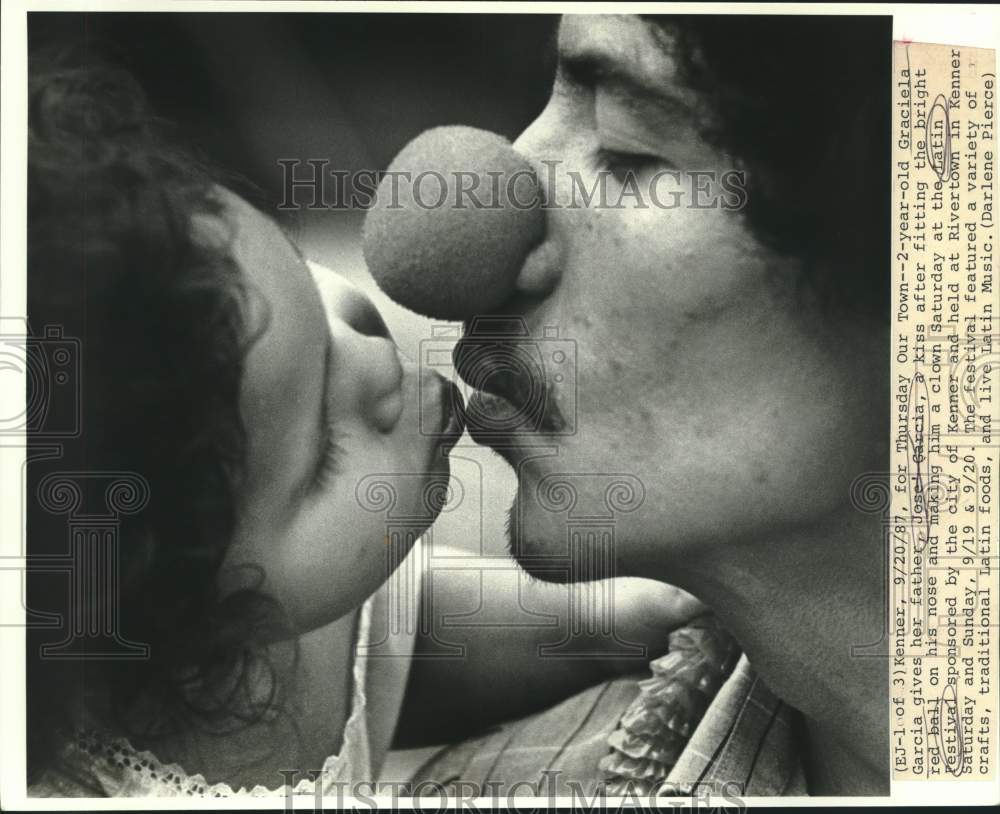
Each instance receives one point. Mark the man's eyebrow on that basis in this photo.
(591, 67)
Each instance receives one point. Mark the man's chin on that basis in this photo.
(545, 560)
(548, 549)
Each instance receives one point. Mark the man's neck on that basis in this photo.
(803, 606)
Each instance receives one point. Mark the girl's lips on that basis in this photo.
(452, 414)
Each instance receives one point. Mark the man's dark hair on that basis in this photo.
(803, 104)
(161, 321)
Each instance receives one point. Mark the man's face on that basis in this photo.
(701, 371)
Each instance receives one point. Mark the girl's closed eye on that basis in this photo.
(329, 457)
(330, 450)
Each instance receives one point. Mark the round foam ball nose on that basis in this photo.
(453, 220)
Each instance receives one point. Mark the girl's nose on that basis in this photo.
(348, 303)
(361, 314)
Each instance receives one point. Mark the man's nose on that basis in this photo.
(455, 219)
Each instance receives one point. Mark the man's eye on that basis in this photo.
(622, 164)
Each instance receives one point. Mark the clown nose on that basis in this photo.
(453, 220)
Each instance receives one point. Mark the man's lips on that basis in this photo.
(493, 418)
(512, 397)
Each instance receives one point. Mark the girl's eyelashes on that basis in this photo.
(329, 454)
(329, 457)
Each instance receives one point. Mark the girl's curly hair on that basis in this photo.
(161, 321)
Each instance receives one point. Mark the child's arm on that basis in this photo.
(502, 675)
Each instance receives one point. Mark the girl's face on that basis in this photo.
(334, 448)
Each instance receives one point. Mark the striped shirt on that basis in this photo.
(746, 744)
(748, 739)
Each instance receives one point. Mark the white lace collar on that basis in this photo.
(123, 771)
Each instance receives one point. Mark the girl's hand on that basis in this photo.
(646, 612)
(505, 672)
